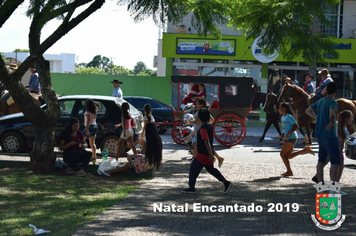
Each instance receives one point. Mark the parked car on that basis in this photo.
(17, 133)
(161, 112)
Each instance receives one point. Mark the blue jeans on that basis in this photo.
(93, 129)
(195, 169)
(76, 157)
(331, 147)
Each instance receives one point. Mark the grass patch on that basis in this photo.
(58, 203)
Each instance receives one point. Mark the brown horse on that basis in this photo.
(7, 104)
(301, 103)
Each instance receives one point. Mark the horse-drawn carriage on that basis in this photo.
(230, 98)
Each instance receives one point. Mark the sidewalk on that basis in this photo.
(254, 184)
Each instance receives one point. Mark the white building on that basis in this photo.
(62, 63)
(59, 63)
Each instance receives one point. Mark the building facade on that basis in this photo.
(186, 54)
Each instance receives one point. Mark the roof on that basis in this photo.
(93, 97)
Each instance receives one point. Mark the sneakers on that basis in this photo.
(188, 190)
(228, 186)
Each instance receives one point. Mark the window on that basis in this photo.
(230, 90)
(332, 14)
(66, 107)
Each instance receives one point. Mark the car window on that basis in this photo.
(81, 107)
(153, 103)
(66, 107)
(133, 110)
(162, 104)
(101, 111)
(138, 103)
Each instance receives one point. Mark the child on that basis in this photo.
(290, 127)
(148, 118)
(204, 156)
(127, 132)
(197, 124)
(152, 159)
(325, 131)
(91, 129)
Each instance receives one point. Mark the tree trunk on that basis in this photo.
(42, 157)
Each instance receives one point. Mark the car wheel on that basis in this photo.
(161, 129)
(111, 144)
(13, 142)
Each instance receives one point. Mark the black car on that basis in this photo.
(161, 112)
(17, 133)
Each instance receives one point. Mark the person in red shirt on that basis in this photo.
(205, 155)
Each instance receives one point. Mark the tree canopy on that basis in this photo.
(282, 22)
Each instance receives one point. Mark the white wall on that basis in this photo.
(60, 63)
(161, 65)
(186, 21)
(349, 18)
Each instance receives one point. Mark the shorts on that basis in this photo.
(129, 133)
(93, 130)
(329, 147)
(293, 141)
(139, 164)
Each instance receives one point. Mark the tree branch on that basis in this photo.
(65, 27)
(7, 9)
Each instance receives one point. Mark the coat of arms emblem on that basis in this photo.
(328, 214)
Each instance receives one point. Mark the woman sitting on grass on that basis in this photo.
(150, 160)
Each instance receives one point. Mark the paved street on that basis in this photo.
(254, 168)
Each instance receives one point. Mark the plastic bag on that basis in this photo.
(109, 164)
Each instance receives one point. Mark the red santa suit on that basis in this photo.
(193, 90)
(200, 94)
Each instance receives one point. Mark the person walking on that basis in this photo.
(127, 132)
(290, 138)
(117, 90)
(202, 103)
(204, 156)
(325, 131)
(344, 119)
(91, 128)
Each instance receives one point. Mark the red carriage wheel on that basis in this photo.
(229, 130)
(177, 135)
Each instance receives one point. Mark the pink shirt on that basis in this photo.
(128, 123)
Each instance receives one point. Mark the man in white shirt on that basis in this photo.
(117, 90)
